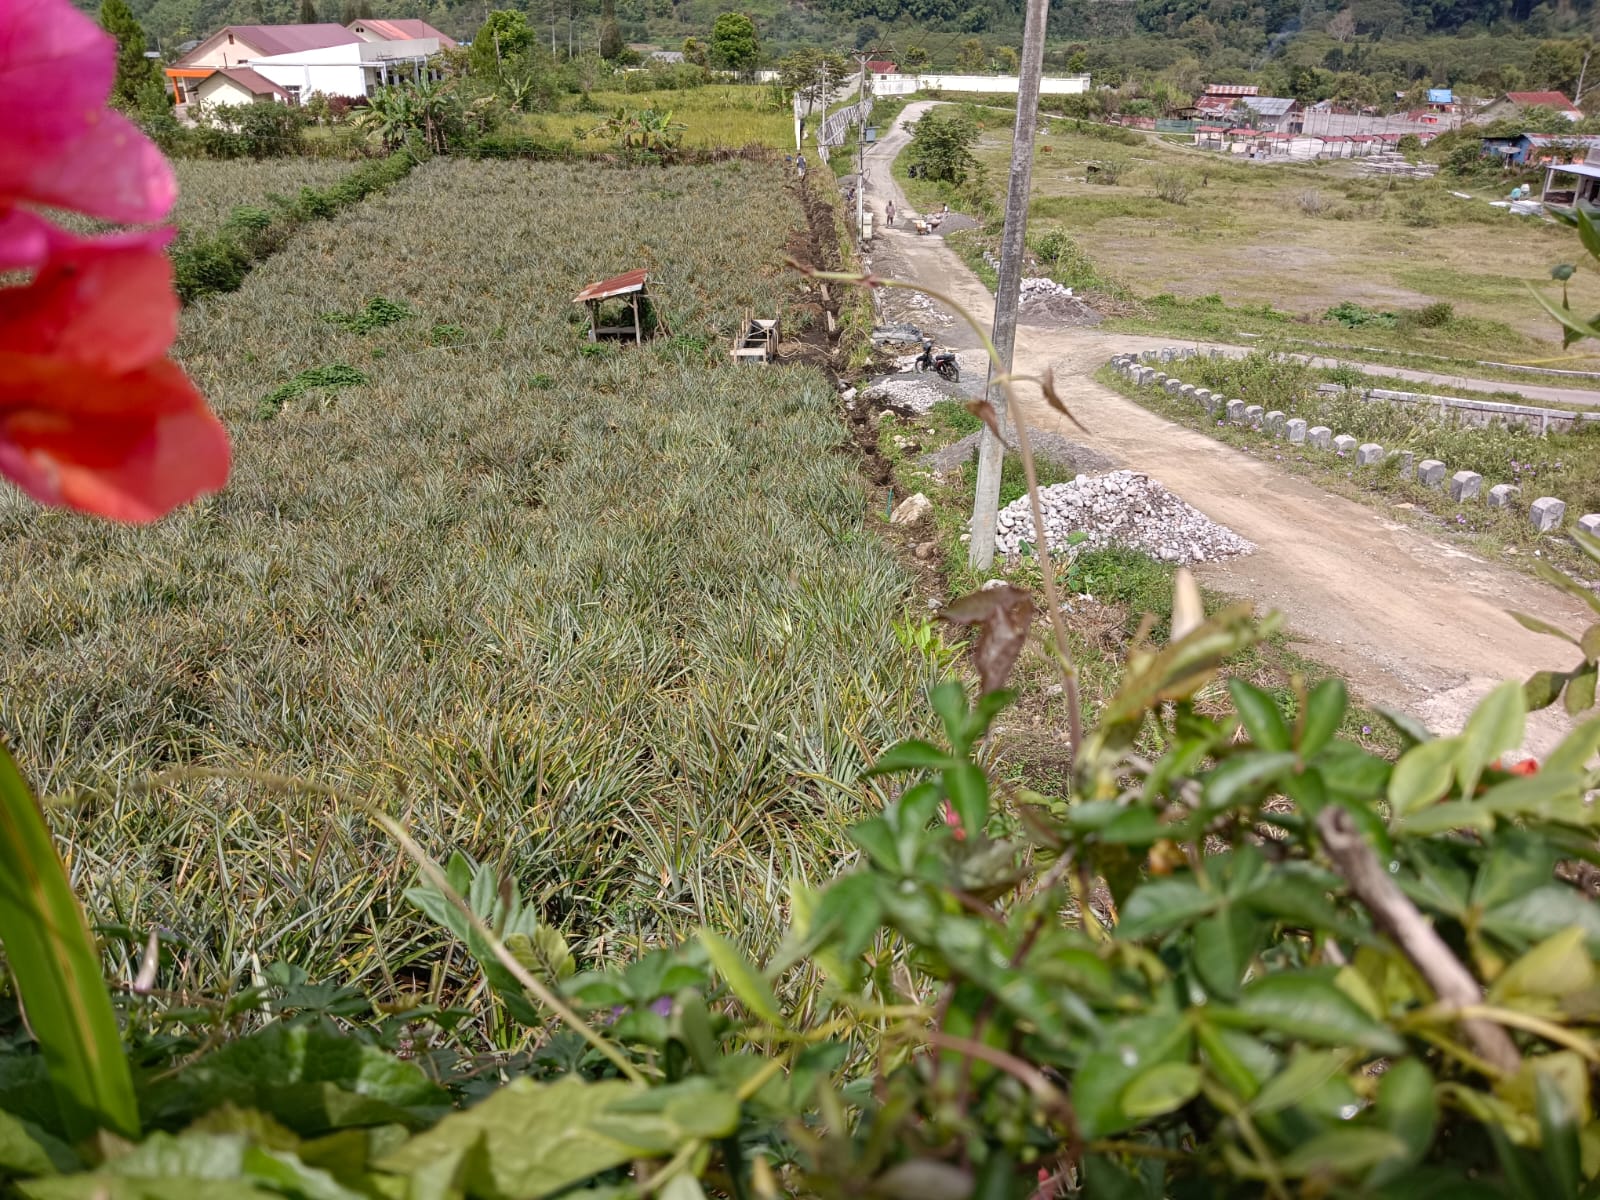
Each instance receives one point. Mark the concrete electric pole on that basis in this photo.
(991, 451)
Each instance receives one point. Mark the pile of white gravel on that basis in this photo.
(1032, 287)
(918, 395)
(1124, 508)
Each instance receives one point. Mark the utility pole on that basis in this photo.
(861, 148)
(991, 450)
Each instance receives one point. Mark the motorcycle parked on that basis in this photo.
(942, 362)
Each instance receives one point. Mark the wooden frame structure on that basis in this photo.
(630, 289)
(757, 340)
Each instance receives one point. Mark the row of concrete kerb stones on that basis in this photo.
(1546, 513)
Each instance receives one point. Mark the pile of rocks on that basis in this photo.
(910, 393)
(1033, 286)
(1125, 508)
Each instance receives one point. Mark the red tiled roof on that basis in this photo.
(403, 30)
(1540, 100)
(880, 66)
(251, 81)
(632, 281)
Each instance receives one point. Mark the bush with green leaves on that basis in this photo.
(941, 146)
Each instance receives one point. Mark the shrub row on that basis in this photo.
(218, 263)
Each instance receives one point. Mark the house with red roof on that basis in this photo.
(243, 64)
(1516, 104)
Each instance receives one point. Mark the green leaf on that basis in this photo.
(949, 701)
(538, 1139)
(1455, 814)
(1224, 944)
(1407, 1108)
(968, 789)
(1341, 1152)
(1562, 272)
(1542, 912)
(1566, 583)
(26, 1149)
(1326, 705)
(1587, 233)
(1306, 1004)
(1517, 863)
(910, 755)
(1259, 712)
(1558, 966)
(1308, 1070)
(1496, 725)
(1538, 625)
(1161, 1089)
(661, 1119)
(57, 971)
(1564, 315)
(1580, 690)
(1240, 1061)
(1542, 688)
(1124, 1051)
(1244, 775)
(1558, 1136)
(1163, 905)
(1577, 749)
(1422, 775)
(743, 980)
(312, 1078)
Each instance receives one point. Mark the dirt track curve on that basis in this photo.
(1411, 621)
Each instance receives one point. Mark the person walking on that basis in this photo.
(888, 214)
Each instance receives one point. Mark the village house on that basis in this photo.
(1514, 104)
(1569, 184)
(241, 64)
(1540, 149)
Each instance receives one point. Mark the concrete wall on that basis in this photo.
(221, 90)
(1348, 123)
(904, 85)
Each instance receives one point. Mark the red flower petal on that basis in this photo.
(131, 447)
(105, 303)
(59, 144)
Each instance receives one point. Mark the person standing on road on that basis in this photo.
(888, 214)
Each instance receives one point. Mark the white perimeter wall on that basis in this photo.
(341, 70)
(904, 85)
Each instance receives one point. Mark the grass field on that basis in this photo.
(1267, 250)
(719, 115)
(613, 619)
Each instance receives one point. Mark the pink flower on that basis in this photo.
(93, 415)
(60, 146)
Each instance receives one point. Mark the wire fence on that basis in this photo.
(834, 128)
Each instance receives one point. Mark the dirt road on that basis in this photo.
(1411, 621)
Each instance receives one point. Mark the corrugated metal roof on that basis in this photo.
(1556, 139)
(1441, 96)
(1541, 100)
(1270, 106)
(607, 288)
(1231, 89)
(288, 39)
(880, 66)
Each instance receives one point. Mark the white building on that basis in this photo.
(353, 70)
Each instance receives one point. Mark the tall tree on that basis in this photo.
(733, 43)
(134, 70)
(610, 31)
(308, 12)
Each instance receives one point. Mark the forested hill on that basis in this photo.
(1494, 43)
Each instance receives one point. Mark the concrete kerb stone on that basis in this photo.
(1369, 454)
(1465, 485)
(1320, 437)
(1273, 423)
(1590, 524)
(1501, 495)
(1186, 392)
(1546, 513)
(1406, 464)
(1236, 412)
(1344, 444)
(1430, 472)
(1172, 385)
(1255, 415)
(1295, 429)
